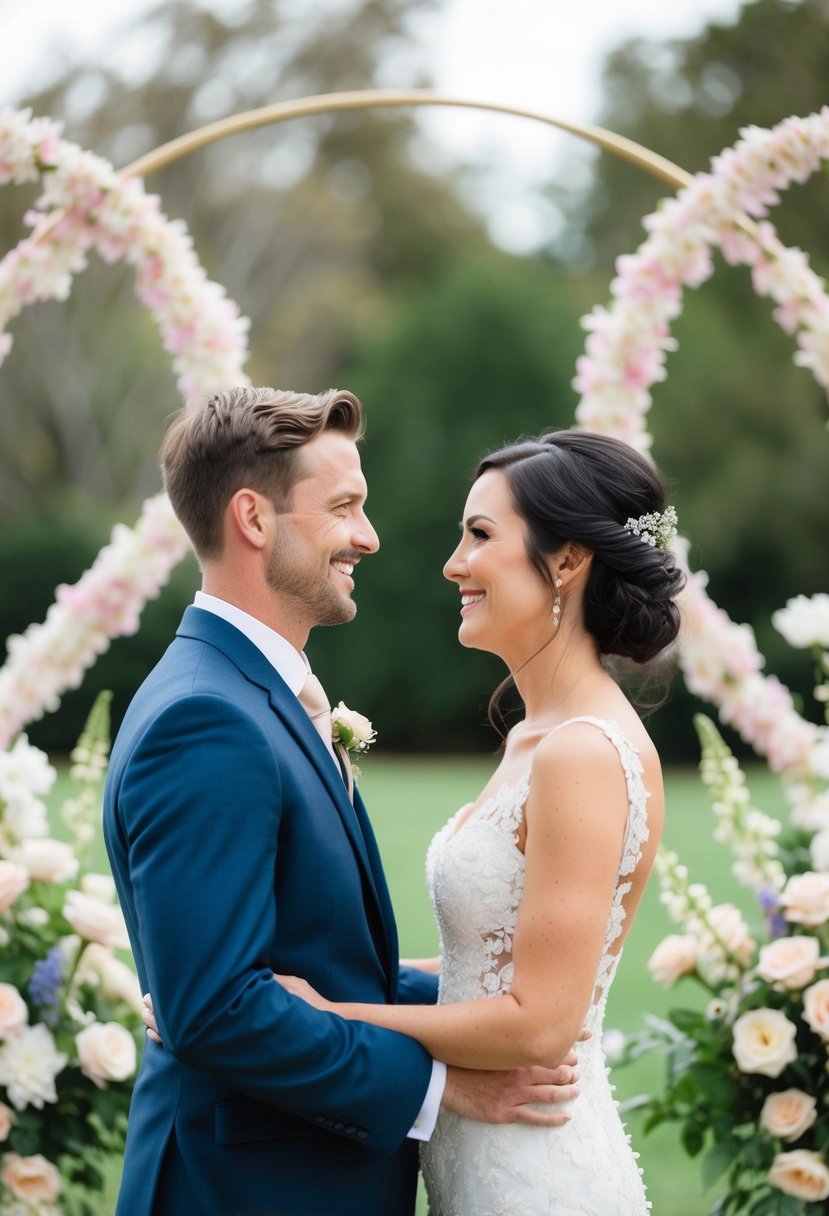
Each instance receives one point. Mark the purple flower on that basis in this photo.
(44, 985)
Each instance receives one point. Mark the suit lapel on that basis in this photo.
(207, 627)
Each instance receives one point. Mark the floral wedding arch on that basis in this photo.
(86, 204)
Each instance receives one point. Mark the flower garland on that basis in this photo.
(92, 207)
(625, 355)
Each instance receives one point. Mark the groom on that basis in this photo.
(238, 853)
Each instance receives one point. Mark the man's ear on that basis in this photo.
(250, 516)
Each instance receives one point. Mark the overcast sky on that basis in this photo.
(544, 55)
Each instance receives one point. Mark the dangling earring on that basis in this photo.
(557, 605)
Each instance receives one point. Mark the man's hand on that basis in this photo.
(511, 1096)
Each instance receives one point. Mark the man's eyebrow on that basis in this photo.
(473, 519)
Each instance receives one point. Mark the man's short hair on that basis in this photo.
(244, 438)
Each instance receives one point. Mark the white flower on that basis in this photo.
(14, 1013)
(816, 1008)
(33, 1179)
(804, 621)
(764, 1042)
(47, 860)
(790, 962)
(788, 1114)
(29, 1063)
(800, 1173)
(351, 729)
(106, 1052)
(99, 886)
(806, 898)
(97, 966)
(96, 921)
(6, 1121)
(674, 957)
(13, 882)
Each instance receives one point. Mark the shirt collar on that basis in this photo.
(290, 663)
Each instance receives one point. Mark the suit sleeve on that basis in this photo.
(416, 987)
(200, 806)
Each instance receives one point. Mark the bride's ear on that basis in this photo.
(572, 561)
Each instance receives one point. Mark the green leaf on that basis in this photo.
(718, 1159)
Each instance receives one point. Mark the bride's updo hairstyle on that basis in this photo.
(583, 487)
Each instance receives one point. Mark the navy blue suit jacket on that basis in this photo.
(237, 853)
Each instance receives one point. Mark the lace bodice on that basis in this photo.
(475, 873)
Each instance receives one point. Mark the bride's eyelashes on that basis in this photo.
(479, 533)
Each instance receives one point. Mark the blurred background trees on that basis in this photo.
(357, 255)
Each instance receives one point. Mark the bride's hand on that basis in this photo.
(302, 989)
(148, 1017)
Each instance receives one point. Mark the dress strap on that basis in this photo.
(636, 834)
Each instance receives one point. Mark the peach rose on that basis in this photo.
(33, 1179)
(802, 1174)
(816, 1008)
(764, 1042)
(788, 1114)
(13, 1012)
(6, 1121)
(806, 899)
(96, 921)
(106, 1052)
(790, 961)
(674, 957)
(47, 860)
(13, 881)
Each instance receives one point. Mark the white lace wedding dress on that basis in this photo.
(585, 1168)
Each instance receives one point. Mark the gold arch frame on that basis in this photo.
(326, 103)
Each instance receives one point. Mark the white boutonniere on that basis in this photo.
(353, 731)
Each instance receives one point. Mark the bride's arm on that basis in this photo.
(576, 815)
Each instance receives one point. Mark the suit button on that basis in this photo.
(339, 1127)
(320, 1119)
(361, 1135)
(350, 1130)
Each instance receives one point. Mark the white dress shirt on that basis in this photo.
(293, 667)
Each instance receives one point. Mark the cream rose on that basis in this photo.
(13, 881)
(788, 1114)
(353, 729)
(674, 957)
(790, 962)
(6, 1121)
(764, 1042)
(47, 860)
(118, 981)
(816, 1008)
(802, 1174)
(806, 898)
(31, 1178)
(13, 1012)
(99, 886)
(106, 1052)
(96, 921)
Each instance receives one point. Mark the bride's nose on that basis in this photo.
(455, 567)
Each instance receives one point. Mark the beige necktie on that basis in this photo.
(313, 700)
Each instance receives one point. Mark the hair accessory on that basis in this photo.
(657, 529)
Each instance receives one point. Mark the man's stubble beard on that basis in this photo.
(316, 599)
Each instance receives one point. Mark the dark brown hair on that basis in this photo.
(582, 487)
(244, 437)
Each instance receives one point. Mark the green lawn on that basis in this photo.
(410, 798)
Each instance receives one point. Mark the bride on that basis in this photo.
(562, 560)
